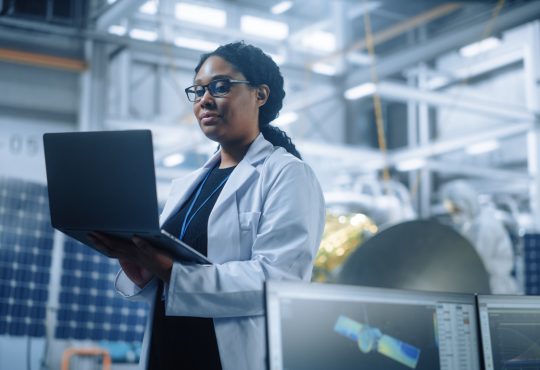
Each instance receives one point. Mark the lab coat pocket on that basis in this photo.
(249, 223)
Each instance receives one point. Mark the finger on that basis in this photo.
(115, 246)
(99, 245)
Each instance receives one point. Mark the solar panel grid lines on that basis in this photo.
(87, 305)
(531, 248)
(25, 257)
(91, 309)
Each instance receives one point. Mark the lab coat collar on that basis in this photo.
(258, 151)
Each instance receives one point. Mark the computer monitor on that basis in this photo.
(510, 329)
(322, 326)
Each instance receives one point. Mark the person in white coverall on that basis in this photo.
(255, 209)
(486, 233)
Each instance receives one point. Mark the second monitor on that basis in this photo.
(316, 326)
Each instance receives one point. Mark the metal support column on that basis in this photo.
(531, 64)
(424, 138)
(412, 128)
(93, 99)
(341, 25)
(124, 65)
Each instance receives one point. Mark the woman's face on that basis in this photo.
(232, 118)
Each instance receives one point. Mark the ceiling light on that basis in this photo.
(319, 40)
(285, 119)
(411, 164)
(117, 30)
(324, 69)
(264, 27)
(149, 7)
(362, 59)
(144, 35)
(173, 160)
(479, 47)
(360, 91)
(437, 82)
(281, 7)
(484, 147)
(196, 44)
(201, 14)
(279, 59)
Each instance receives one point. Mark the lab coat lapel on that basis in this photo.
(183, 187)
(257, 152)
(223, 223)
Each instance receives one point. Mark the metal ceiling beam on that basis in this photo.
(464, 70)
(496, 109)
(117, 11)
(441, 147)
(397, 62)
(477, 171)
(42, 60)
(394, 31)
(327, 24)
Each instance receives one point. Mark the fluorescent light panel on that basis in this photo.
(117, 30)
(173, 160)
(481, 148)
(201, 14)
(476, 48)
(149, 7)
(195, 44)
(145, 35)
(411, 164)
(278, 58)
(264, 27)
(360, 91)
(319, 40)
(324, 69)
(281, 7)
(286, 119)
(359, 58)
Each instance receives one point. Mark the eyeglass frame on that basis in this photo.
(207, 88)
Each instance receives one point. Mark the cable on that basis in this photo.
(381, 137)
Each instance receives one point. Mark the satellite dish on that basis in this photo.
(417, 255)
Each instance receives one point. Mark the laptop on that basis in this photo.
(510, 331)
(322, 326)
(105, 181)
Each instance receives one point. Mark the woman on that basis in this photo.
(255, 209)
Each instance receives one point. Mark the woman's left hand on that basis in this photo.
(154, 259)
(138, 252)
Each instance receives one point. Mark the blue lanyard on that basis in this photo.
(188, 218)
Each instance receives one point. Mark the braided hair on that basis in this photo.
(258, 68)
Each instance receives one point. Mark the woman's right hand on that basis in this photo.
(123, 250)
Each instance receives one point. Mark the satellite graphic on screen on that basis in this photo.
(372, 339)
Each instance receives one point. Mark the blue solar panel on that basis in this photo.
(25, 257)
(531, 251)
(90, 308)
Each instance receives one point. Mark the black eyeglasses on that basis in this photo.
(217, 89)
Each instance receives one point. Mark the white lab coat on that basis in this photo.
(266, 224)
(486, 233)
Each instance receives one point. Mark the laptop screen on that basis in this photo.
(321, 326)
(510, 329)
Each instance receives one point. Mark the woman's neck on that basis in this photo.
(233, 153)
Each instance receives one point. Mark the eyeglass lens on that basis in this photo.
(217, 88)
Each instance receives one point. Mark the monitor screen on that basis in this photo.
(322, 326)
(510, 329)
